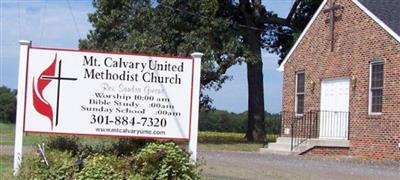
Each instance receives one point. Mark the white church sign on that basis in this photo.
(90, 93)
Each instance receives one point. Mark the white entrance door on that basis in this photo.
(334, 115)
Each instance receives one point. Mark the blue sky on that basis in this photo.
(60, 23)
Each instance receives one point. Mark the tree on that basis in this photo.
(8, 105)
(226, 31)
(286, 35)
(168, 27)
(259, 29)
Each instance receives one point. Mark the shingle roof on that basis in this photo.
(387, 11)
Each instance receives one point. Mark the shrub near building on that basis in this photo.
(156, 160)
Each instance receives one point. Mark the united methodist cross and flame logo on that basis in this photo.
(40, 103)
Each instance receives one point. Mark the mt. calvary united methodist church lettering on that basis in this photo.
(341, 90)
(126, 75)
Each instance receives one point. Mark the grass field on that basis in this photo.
(7, 136)
(217, 138)
(6, 167)
(229, 141)
(214, 141)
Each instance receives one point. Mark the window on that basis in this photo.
(376, 87)
(299, 99)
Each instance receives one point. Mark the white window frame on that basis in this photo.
(295, 92)
(370, 87)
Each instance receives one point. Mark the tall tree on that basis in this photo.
(259, 29)
(264, 29)
(168, 27)
(226, 31)
(8, 104)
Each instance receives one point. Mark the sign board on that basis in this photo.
(91, 93)
(107, 94)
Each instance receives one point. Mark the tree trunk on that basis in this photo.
(256, 125)
(252, 38)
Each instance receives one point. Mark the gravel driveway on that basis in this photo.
(253, 165)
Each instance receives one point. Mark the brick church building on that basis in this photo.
(341, 89)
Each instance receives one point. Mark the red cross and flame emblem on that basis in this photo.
(40, 103)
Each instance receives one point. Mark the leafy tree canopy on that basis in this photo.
(169, 27)
(8, 104)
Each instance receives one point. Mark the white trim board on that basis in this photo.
(362, 7)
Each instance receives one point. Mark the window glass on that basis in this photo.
(300, 79)
(376, 91)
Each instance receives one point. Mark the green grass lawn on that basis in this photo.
(7, 136)
(214, 138)
(6, 167)
(229, 141)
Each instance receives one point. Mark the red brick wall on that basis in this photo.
(358, 40)
(328, 151)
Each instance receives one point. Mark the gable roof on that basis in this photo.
(386, 13)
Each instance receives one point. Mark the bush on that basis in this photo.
(124, 147)
(155, 161)
(71, 144)
(64, 143)
(61, 166)
(104, 167)
(164, 161)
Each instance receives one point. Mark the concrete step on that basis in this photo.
(285, 140)
(282, 146)
(268, 150)
(279, 147)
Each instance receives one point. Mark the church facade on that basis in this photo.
(341, 88)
